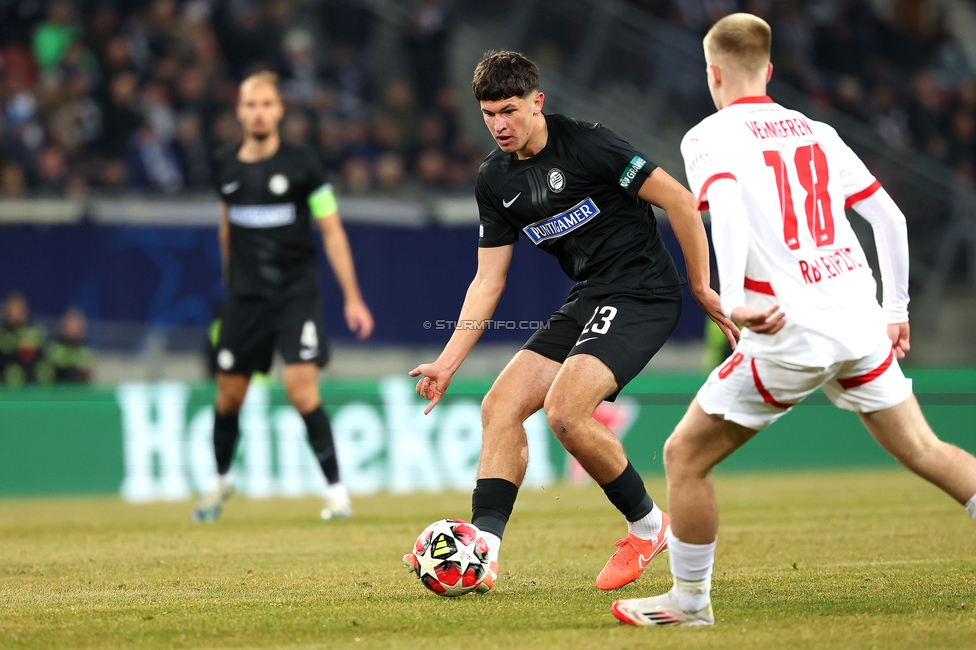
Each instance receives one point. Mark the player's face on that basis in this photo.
(510, 120)
(259, 110)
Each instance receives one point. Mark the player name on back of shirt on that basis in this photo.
(790, 128)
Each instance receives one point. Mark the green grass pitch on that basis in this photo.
(828, 560)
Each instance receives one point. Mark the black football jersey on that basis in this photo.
(577, 200)
(270, 220)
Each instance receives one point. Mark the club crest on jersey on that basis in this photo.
(559, 224)
(557, 180)
(278, 184)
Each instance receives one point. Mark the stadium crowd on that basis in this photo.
(121, 96)
(28, 356)
(118, 96)
(902, 73)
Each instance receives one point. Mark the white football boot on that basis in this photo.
(337, 505)
(660, 610)
(212, 503)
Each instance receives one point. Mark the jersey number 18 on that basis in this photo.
(820, 219)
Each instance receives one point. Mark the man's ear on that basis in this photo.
(769, 72)
(537, 102)
(716, 73)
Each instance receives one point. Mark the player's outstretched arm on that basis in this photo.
(358, 317)
(479, 304)
(663, 191)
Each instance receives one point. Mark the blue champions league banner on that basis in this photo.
(167, 277)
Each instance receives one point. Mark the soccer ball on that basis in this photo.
(452, 557)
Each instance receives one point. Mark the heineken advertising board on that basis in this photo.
(150, 442)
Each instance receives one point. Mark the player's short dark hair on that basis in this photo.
(504, 74)
(745, 40)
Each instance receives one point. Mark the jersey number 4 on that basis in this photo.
(809, 160)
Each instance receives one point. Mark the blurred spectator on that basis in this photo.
(431, 168)
(889, 119)
(52, 171)
(399, 110)
(390, 172)
(20, 343)
(152, 163)
(68, 359)
(12, 183)
(122, 114)
(192, 152)
(356, 176)
(53, 37)
(296, 129)
(330, 146)
(426, 44)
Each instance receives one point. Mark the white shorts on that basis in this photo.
(754, 393)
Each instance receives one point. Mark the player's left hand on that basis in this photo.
(898, 333)
(711, 304)
(359, 319)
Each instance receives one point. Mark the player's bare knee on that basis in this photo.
(495, 411)
(304, 400)
(228, 402)
(562, 421)
(675, 456)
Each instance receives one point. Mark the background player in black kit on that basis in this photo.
(579, 192)
(270, 193)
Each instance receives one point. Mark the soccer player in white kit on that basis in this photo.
(795, 279)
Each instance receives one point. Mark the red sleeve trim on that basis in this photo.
(769, 399)
(863, 194)
(860, 380)
(702, 204)
(758, 286)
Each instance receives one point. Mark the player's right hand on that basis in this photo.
(433, 383)
(899, 333)
(765, 322)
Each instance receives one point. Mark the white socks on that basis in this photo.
(338, 492)
(224, 481)
(648, 526)
(971, 507)
(494, 543)
(691, 566)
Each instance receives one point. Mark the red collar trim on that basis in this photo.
(761, 99)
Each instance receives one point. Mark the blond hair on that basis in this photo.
(742, 40)
(263, 77)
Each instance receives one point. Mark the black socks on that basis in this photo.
(628, 494)
(320, 437)
(491, 504)
(226, 431)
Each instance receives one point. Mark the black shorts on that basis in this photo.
(252, 328)
(621, 328)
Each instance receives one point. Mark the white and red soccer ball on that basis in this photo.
(452, 557)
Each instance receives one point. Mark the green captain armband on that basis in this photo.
(323, 202)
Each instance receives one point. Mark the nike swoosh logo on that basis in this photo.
(508, 204)
(308, 354)
(230, 187)
(585, 340)
(644, 561)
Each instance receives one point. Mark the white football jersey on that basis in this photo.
(795, 177)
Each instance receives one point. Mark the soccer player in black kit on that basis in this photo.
(582, 194)
(270, 192)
